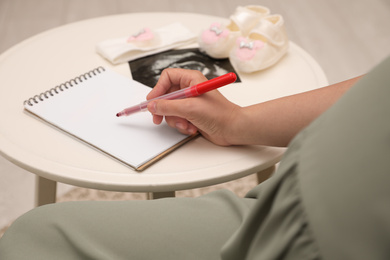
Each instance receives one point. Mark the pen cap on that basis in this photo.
(213, 84)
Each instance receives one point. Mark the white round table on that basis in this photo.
(57, 55)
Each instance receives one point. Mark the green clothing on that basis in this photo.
(182, 228)
(328, 200)
(337, 206)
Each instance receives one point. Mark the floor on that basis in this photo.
(346, 37)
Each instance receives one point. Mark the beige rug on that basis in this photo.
(240, 187)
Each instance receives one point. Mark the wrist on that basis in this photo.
(236, 133)
(244, 127)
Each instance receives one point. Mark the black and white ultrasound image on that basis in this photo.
(147, 70)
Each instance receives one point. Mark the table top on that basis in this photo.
(57, 55)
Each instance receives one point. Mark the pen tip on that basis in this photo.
(118, 115)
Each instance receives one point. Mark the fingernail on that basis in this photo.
(192, 130)
(180, 126)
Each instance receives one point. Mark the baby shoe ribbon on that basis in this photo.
(214, 33)
(247, 48)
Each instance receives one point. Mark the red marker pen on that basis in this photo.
(192, 91)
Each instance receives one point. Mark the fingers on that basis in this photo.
(175, 113)
(172, 79)
(178, 113)
(162, 107)
(157, 119)
(162, 87)
(182, 125)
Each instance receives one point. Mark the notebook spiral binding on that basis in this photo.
(62, 87)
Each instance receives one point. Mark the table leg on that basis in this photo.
(160, 195)
(45, 191)
(265, 174)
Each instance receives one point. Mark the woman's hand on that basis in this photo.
(211, 113)
(273, 123)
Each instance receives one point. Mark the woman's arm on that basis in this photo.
(277, 121)
(273, 123)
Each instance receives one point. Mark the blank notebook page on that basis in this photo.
(87, 110)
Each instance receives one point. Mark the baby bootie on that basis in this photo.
(265, 45)
(218, 40)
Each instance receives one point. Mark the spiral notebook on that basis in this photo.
(85, 107)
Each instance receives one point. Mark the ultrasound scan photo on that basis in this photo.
(147, 70)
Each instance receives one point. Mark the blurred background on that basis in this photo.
(346, 38)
